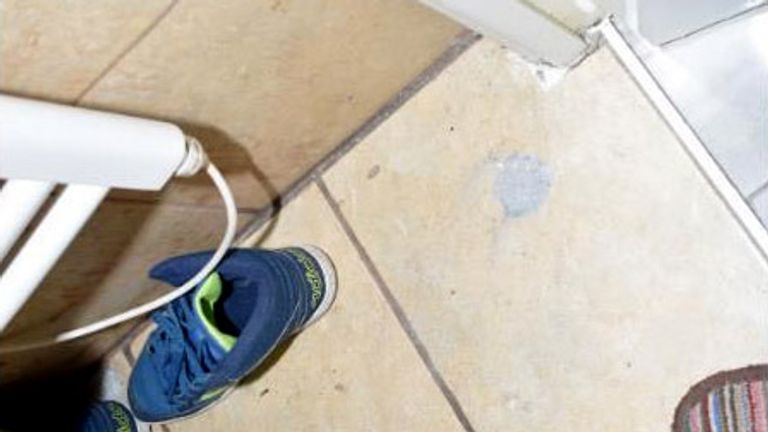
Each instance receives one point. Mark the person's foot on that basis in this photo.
(209, 339)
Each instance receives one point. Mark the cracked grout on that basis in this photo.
(396, 308)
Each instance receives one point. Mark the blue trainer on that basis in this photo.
(209, 339)
(107, 416)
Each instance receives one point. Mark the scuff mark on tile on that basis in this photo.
(374, 171)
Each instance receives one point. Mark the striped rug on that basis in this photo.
(733, 401)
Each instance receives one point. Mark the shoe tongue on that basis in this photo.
(206, 297)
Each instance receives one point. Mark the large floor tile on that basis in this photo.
(354, 370)
(272, 86)
(33, 367)
(55, 50)
(558, 253)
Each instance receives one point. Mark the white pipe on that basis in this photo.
(44, 247)
(19, 202)
(756, 232)
(64, 144)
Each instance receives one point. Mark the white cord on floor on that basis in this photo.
(226, 243)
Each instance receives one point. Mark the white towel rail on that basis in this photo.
(88, 152)
(19, 202)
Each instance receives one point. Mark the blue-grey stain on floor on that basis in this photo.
(522, 184)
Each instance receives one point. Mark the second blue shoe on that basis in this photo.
(107, 416)
(209, 339)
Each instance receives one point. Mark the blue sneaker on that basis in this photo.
(107, 416)
(209, 339)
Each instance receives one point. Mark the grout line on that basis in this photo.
(126, 338)
(713, 25)
(758, 191)
(396, 308)
(181, 205)
(125, 343)
(460, 44)
(255, 216)
(124, 52)
(128, 354)
(245, 230)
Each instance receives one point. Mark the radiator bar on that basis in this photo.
(47, 243)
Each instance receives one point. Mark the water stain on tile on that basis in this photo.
(522, 184)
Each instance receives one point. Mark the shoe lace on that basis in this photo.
(182, 363)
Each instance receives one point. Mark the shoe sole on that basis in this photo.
(329, 279)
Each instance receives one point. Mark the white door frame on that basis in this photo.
(520, 27)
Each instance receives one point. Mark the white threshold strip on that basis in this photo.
(695, 148)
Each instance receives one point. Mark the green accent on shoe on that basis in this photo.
(205, 301)
(121, 417)
(213, 393)
(311, 274)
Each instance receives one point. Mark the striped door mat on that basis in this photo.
(732, 401)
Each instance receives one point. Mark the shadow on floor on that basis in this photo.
(54, 403)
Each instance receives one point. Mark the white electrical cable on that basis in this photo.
(226, 243)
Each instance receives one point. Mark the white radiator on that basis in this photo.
(87, 152)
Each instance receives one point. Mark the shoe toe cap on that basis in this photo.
(146, 394)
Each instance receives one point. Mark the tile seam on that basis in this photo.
(125, 51)
(460, 44)
(181, 205)
(396, 309)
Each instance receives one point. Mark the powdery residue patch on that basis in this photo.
(522, 184)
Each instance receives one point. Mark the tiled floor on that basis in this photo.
(511, 259)
(270, 87)
(260, 83)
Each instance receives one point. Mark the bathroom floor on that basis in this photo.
(509, 258)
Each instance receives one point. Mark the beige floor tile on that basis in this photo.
(116, 367)
(354, 370)
(40, 363)
(136, 344)
(54, 50)
(117, 361)
(560, 256)
(272, 86)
